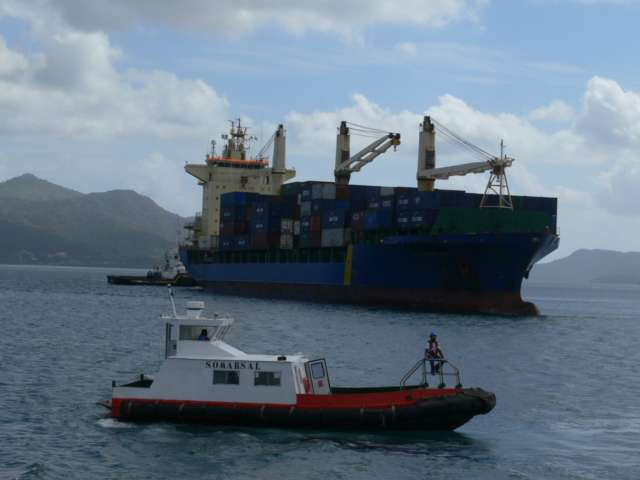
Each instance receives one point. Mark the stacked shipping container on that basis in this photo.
(319, 214)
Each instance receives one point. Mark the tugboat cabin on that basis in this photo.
(200, 366)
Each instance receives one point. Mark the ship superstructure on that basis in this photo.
(417, 247)
(234, 170)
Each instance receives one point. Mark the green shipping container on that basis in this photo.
(490, 220)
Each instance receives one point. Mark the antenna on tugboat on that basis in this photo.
(173, 304)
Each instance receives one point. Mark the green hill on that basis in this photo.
(41, 222)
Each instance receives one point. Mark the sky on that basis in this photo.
(98, 96)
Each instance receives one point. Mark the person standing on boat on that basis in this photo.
(433, 351)
(204, 335)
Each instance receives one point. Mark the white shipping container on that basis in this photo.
(286, 241)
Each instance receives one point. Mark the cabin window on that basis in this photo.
(226, 377)
(196, 332)
(317, 370)
(271, 379)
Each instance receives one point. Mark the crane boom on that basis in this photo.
(427, 172)
(368, 153)
(346, 164)
(443, 173)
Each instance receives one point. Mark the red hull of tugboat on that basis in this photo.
(412, 408)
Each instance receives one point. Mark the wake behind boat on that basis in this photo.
(204, 379)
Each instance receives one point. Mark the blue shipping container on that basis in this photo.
(471, 200)
(360, 195)
(421, 200)
(319, 206)
(241, 242)
(234, 213)
(335, 218)
(403, 220)
(381, 203)
(227, 243)
(403, 201)
(305, 224)
(378, 220)
(451, 198)
(264, 225)
(239, 198)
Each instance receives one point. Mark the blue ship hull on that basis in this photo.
(480, 273)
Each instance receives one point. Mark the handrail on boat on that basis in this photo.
(439, 372)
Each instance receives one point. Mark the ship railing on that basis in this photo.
(440, 369)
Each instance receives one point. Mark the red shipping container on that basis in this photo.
(316, 238)
(260, 241)
(230, 229)
(357, 220)
(316, 223)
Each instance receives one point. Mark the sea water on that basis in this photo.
(566, 382)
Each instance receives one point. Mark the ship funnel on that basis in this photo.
(194, 309)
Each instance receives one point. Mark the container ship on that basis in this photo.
(260, 234)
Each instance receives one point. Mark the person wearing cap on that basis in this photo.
(433, 351)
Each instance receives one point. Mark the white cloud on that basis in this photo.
(233, 17)
(611, 115)
(11, 63)
(73, 86)
(557, 111)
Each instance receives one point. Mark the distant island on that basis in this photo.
(44, 223)
(590, 266)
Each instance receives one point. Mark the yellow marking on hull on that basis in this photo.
(347, 265)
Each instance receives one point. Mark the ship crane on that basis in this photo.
(346, 164)
(428, 173)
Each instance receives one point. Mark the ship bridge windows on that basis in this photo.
(270, 379)
(226, 377)
(197, 332)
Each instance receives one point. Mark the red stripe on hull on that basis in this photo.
(312, 401)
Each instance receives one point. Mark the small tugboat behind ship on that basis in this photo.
(172, 272)
(205, 380)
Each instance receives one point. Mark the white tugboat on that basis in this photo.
(205, 380)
